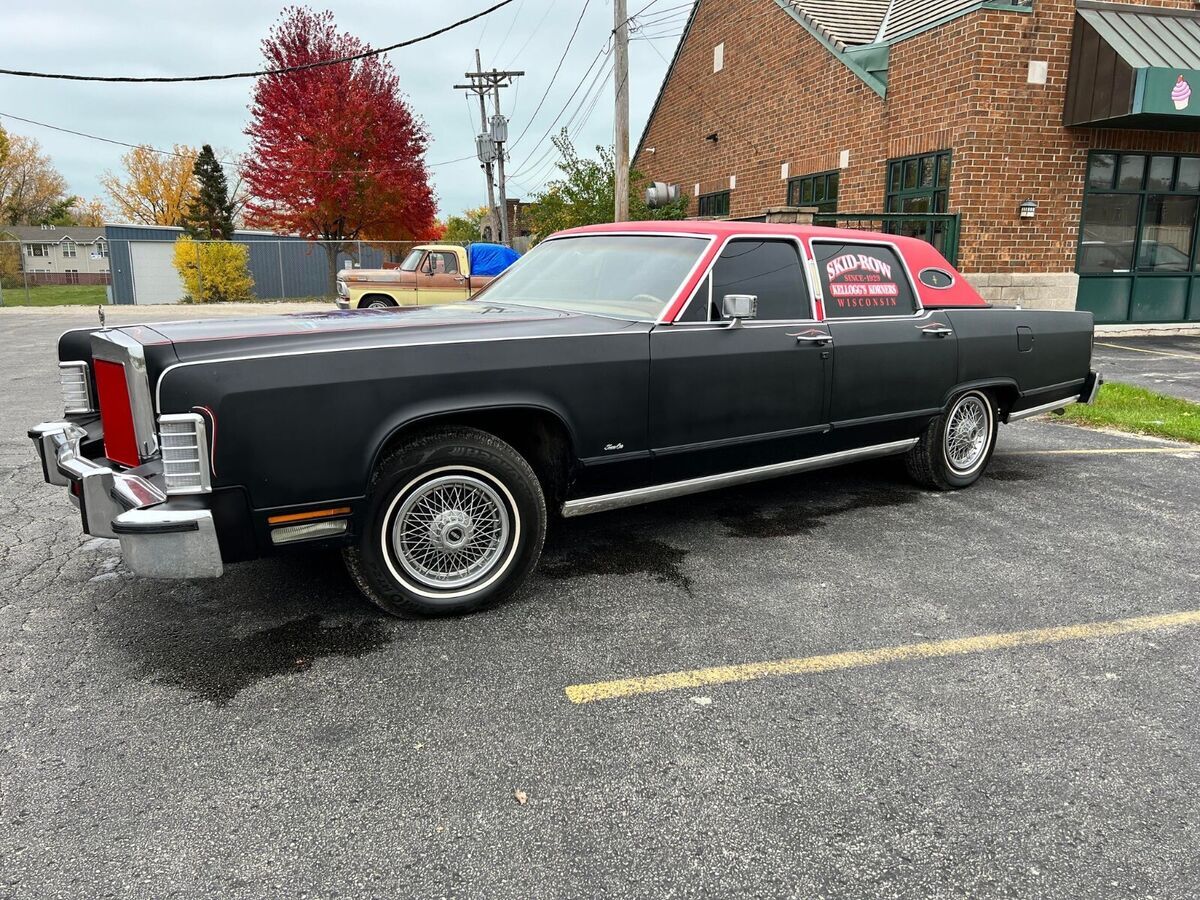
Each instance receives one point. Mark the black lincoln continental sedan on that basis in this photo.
(611, 366)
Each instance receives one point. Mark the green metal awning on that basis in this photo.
(1134, 67)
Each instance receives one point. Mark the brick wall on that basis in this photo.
(783, 98)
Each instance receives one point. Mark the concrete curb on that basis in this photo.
(1150, 329)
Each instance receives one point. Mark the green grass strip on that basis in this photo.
(1129, 408)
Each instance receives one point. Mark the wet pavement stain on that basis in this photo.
(614, 553)
(217, 667)
(802, 516)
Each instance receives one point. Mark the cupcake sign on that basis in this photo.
(1181, 94)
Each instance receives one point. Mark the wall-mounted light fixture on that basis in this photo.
(712, 137)
(1027, 209)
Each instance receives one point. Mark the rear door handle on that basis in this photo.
(936, 329)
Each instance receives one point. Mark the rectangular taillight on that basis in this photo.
(183, 441)
(116, 413)
(75, 384)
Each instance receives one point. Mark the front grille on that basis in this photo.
(183, 442)
(75, 384)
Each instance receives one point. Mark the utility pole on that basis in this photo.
(489, 143)
(621, 79)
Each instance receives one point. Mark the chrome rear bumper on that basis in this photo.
(157, 542)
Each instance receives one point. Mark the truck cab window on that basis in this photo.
(770, 270)
(442, 263)
(862, 280)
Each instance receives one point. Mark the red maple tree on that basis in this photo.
(336, 154)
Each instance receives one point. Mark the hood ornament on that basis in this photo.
(100, 311)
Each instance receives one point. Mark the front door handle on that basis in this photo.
(936, 329)
(813, 336)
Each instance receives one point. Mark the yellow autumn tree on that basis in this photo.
(31, 189)
(91, 213)
(214, 271)
(156, 186)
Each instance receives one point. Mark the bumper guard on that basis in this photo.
(156, 542)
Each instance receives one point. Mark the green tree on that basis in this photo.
(208, 215)
(463, 229)
(584, 194)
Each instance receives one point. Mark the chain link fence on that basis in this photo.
(248, 268)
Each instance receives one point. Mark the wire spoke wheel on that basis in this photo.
(967, 433)
(451, 531)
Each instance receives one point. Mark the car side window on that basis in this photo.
(860, 280)
(442, 263)
(768, 269)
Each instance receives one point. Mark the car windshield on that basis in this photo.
(411, 261)
(627, 276)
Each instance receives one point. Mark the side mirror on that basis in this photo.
(736, 307)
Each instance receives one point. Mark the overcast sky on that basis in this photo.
(140, 37)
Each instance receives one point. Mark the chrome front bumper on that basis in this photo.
(342, 302)
(156, 542)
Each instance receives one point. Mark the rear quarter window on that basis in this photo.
(861, 280)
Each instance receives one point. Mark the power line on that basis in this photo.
(225, 163)
(565, 105)
(128, 79)
(550, 84)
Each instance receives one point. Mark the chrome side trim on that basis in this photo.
(604, 502)
(1045, 407)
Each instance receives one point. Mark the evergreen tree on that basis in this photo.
(209, 213)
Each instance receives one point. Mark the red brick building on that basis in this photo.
(957, 113)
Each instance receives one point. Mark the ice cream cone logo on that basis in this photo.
(1181, 94)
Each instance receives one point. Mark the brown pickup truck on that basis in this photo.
(430, 274)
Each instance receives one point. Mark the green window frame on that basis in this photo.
(819, 190)
(713, 204)
(919, 184)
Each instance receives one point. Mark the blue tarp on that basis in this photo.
(491, 259)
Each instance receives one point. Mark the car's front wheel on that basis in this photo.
(456, 520)
(957, 445)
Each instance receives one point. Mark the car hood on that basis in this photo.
(209, 338)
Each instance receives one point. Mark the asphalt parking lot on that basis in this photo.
(268, 734)
(1169, 365)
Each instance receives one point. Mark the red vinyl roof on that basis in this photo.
(918, 254)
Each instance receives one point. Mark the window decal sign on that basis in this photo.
(859, 281)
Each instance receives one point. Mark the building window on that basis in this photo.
(102, 249)
(820, 190)
(919, 184)
(72, 276)
(1139, 214)
(716, 204)
(42, 250)
(68, 249)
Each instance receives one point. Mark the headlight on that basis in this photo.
(184, 443)
(76, 385)
(342, 290)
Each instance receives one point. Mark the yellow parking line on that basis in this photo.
(857, 659)
(1144, 350)
(1097, 451)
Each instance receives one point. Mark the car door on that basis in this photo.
(729, 395)
(894, 363)
(439, 279)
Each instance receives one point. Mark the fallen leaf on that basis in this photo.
(522, 797)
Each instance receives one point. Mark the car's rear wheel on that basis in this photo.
(957, 445)
(456, 520)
